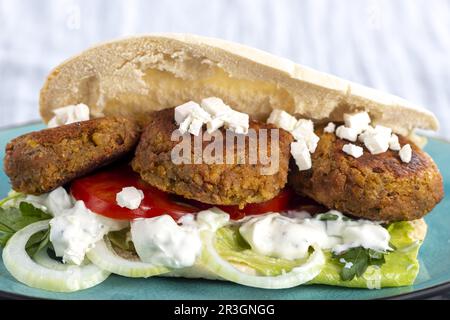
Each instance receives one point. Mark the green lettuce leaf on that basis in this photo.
(231, 246)
(15, 218)
(121, 239)
(400, 267)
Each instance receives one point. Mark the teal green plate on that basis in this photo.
(434, 259)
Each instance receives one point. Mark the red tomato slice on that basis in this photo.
(286, 200)
(98, 191)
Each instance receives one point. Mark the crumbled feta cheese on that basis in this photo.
(222, 115)
(376, 143)
(312, 141)
(349, 134)
(304, 125)
(377, 140)
(215, 106)
(238, 122)
(304, 130)
(214, 113)
(185, 110)
(191, 117)
(69, 114)
(302, 157)
(394, 144)
(282, 120)
(130, 198)
(196, 126)
(353, 150)
(359, 121)
(385, 131)
(330, 128)
(184, 125)
(406, 153)
(369, 131)
(214, 124)
(306, 140)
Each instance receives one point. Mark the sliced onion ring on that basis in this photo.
(24, 269)
(104, 256)
(42, 258)
(297, 276)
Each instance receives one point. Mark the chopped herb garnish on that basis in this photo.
(328, 217)
(355, 261)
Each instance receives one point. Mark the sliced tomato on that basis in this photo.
(286, 200)
(98, 191)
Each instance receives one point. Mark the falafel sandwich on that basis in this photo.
(184, 156)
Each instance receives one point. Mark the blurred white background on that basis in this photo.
(401, 46)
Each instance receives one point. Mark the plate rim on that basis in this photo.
(419, 294)
(415, 295)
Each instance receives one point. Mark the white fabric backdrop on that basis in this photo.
(401, 46)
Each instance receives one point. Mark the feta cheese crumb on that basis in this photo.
(353, 150)
(238, 122)
(302, 157)
(215, 106)
(214, 113)
(191, 117)
(369, 131)
(69, 114)
(304, 130)
(359, 121)
(184, 110)
(349, 134)
(214, 124)
(130, 198)
(282, 120)
(376, 143)
(330, 128)
(384, 131)
(406, 153)
(394, 144)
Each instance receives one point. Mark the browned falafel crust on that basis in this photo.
(39, 162)
(218, 184)
(374, 187)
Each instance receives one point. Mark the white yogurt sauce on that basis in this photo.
(290, 238)
(162, 241)
(74, 229)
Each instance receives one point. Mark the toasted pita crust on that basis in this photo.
(137, 75)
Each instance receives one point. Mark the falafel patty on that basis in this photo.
(374, 187)
(39, 162)
(218, 184)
